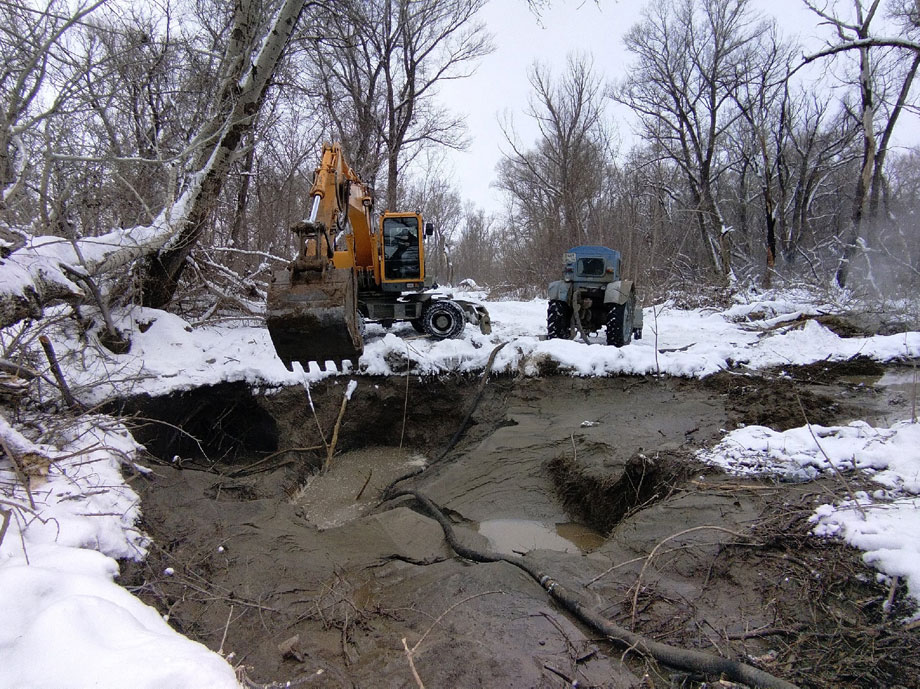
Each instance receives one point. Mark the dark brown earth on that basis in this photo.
(299, 575)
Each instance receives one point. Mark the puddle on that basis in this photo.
(352, 484)
(520, 535)
(901, 380)
(898, 379)
(899, 389)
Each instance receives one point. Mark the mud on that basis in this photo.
(289, 562)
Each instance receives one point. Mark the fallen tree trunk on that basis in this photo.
(43, 271)
(682, 658)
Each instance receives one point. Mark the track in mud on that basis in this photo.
(299, 572)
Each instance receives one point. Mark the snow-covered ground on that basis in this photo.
(169, 354)
(66, 623)
(56, 557)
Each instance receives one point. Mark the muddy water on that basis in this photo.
(315, 574)
(350, 484)
(518, 536)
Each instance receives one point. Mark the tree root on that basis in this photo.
(682, 658)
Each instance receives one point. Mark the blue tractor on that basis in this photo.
(592, 296)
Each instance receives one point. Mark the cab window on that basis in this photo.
(401, 249)
(591, 267)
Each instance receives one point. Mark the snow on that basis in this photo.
(66, 622)
(885, 524)
(57, 566)
(170, 354)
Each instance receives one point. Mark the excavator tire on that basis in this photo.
(314, 317)
(443, 319)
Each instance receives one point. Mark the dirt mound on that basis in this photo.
(774, 400)
(833, 371)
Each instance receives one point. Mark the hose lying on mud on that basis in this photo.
(466, 419)
(681, 658)
(460, 430)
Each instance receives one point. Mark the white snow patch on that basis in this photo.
(66, 623)
(886, 524)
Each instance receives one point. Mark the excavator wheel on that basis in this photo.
(443, 320)
(313, 316)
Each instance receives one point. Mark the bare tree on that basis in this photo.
(763, 101)
(879, 107)
(438, 200)
(245, 78)
(691, 56)
(554, 188)
(477, 255)
(35, 61)
(377, 67)
(252, 53)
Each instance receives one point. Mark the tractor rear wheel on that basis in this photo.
(443, 319)
(558, 320)
(620, 322)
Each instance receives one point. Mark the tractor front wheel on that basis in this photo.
(558, 320)
(443, 320)
(620, 322)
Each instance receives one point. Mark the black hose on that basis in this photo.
(682, 658)
(385, 494)
(476, 399)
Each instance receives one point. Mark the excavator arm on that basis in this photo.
(312, 311)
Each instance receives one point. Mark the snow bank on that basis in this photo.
(66, 623)
(885, 524)
(169, 354)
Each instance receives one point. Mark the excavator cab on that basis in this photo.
(402, 248)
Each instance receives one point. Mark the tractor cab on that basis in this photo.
(592, 264)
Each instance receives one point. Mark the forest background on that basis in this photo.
(200, 122)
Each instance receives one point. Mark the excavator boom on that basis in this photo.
(312, 311)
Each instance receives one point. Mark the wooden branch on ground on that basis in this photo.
(58, 374)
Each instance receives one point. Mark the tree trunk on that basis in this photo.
(863, 184)
(246, 95)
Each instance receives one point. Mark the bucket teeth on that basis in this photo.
(314, 317)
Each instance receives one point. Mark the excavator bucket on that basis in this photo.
(313, 316)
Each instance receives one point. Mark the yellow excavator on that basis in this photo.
(349, 270)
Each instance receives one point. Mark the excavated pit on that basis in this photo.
(289, 561)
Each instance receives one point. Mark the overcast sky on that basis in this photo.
(500, 84)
